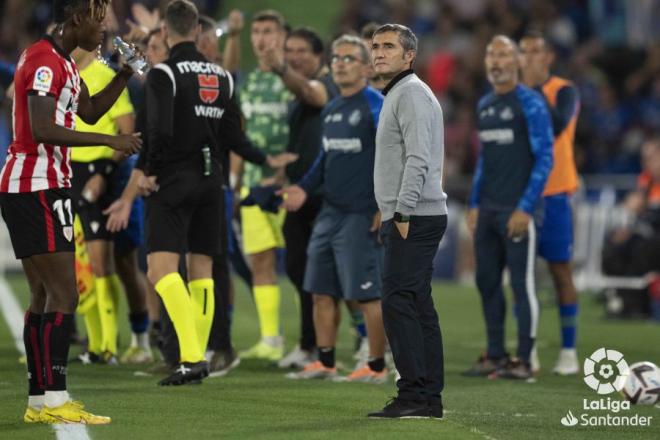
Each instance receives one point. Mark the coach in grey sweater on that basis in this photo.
(409, 150)
(408, 187)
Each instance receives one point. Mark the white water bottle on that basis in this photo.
(132, 57)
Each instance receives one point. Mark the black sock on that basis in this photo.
(55, 329)
(327, 356)
(377, 364)
(139, 322)
(31, 331)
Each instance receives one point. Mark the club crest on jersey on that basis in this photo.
(43, 79)
(355, 117)
(506, 114)
(209, 86)
(68, 232)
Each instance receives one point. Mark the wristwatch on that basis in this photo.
(400, 218)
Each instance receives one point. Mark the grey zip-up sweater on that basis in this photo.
(409, 150)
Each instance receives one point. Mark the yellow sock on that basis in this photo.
(108, 314)
(172, 290)
(267, 299)
(116, 289)
(203, 302)
(94, 330)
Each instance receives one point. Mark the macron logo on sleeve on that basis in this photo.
(43, 79)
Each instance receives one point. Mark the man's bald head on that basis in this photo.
(503, 41)
(502, 62)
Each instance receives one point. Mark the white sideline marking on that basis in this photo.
(13, 313)
(488, 414)
(71, 432)
(473, 430)
(481, 433)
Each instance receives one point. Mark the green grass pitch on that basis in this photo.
(256, 401)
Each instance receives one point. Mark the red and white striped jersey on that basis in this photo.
(43, 69)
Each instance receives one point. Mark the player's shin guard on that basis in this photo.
(31, 340)
(94, 331)
(172, 290)
(55, 331)
(203, 302)
(568, 316)
(108, 313)
(267, 299)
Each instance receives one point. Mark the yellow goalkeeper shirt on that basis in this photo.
(96, 76)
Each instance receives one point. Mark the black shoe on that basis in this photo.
(514, 369)
(87, 358)
(158, 369)
(402, 409)
(187, 373)
(485, 366)
(435, 410)
(222, 361)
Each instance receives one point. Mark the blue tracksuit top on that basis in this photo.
(515, 158)
(344, 168)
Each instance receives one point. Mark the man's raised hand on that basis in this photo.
(281, 160)
(127, 143)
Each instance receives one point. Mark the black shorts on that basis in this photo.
(185, 214)
(91, 214)
(39, 222)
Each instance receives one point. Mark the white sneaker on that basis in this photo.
(137, 355)
(534, 362)
(567, 363)
(297, 358)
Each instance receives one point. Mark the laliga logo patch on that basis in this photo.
(43, 78)
(605, 371)
(208, 88)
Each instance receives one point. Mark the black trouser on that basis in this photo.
(494, 251)
(220, 337)
(297, 230)
(238, 261)
(411, 322)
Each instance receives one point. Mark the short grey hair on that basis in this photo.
(355, 41)
(407, 38)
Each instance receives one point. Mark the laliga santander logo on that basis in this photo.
(569, 419)
(605, 371)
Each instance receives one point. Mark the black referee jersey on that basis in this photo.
(189, 106)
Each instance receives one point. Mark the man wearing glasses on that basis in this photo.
(344, 256)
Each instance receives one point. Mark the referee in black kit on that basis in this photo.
(407, 184)
(191, 111)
